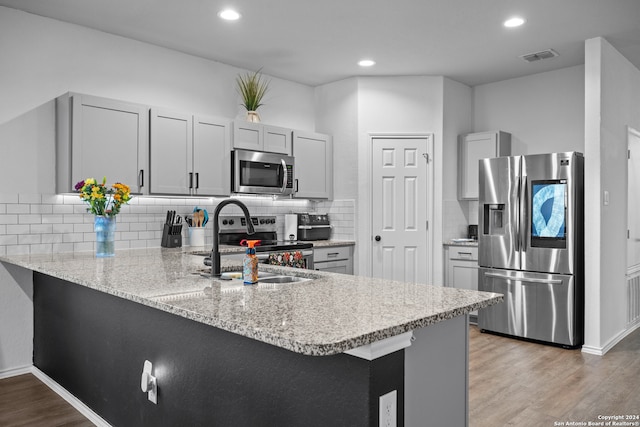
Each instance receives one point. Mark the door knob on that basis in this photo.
(378, 238)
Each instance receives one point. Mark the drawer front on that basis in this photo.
(331, 254)
(342, 266)
(469, 253)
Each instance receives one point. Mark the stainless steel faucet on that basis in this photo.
(215, 252)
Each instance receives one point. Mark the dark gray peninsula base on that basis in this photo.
(334, 350)
(94, 345)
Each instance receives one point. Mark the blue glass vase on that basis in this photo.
(105, 228)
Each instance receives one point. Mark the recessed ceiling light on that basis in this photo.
(229, 15)
(516, 21)
(366, 63)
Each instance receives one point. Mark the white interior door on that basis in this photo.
(399, 209)
(633, 203)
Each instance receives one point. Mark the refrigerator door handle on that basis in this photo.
(518, 201)
(524, 280)
(522, 215)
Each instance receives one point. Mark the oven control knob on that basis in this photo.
(231, 222)
(273, 221)
(262, 221)
(224, 222)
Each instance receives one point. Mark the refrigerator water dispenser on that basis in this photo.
(493, 219)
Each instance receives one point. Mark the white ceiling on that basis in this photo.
(319, 41)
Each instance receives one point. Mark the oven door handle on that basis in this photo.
(265, 255)
(284, 176)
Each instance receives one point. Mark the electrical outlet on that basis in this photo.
(388, 409)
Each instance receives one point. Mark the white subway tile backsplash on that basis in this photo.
(8, 198)
(62, 247)
(18, 209)
(41, 228)
(72, 237)
(30, 198)
(83, 228)
(73, 219)
(52, 238)
(51, 219)
(83, 246)
(30, 219)
(18, 250)
(52, 199)
(18, 229)
(34, 223)
(62, 228)
(10, 239)
(40, 249)
(41, 209)
(29, 239)
(62, 209)
(8, 219)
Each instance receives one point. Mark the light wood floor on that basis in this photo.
(512, 383)
(516, 383)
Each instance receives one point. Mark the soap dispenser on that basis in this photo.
(250, 263)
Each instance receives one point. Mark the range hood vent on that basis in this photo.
(537, 56)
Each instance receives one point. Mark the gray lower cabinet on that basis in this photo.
(100, 137)
(189, 155)
(336, 259)
(461, 270)
(314, 165)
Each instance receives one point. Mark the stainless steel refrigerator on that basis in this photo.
(531, 246)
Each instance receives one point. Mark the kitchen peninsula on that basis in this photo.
(319, 352)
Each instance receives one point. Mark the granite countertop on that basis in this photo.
(330, 314)
(461, 242)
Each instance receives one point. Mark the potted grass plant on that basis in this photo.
(252, 87)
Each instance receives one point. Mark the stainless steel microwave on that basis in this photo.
(256, 172)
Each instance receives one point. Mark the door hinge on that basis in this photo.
(628, 154)
(427, 225)
(628, 234)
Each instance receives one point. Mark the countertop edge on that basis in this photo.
(307, 348)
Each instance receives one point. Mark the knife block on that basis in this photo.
(171, 236)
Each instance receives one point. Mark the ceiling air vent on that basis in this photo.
(537, 56)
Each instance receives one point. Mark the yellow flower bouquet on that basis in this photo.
(103, 200)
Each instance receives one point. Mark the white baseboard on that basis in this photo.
(14, 372)
(601, 351)
(59, 390)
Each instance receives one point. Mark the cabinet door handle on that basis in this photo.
(141, 178)
(197, 180)
(190, 179)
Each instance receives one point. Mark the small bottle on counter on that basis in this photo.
(250, 263)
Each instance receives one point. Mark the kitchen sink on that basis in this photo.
(263, 277)
(282, 279)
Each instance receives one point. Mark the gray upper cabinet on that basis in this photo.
(313, 154)
(471, 148)
(259, 137)
(211, 156)
(100, 137)
(189, 155)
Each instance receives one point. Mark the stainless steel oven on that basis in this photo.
(270, 250)
(255, 172)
